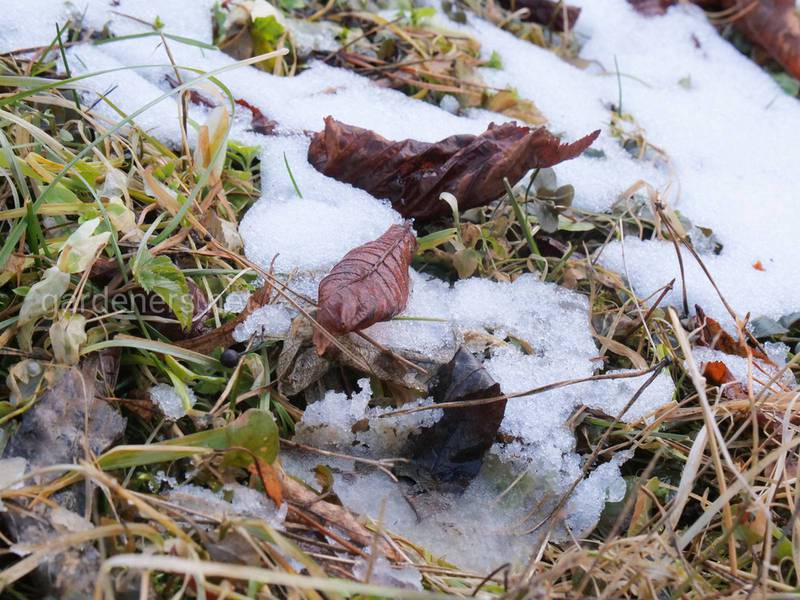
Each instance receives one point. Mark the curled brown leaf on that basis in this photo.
(712, 335)
(413, 174)
(368, 285)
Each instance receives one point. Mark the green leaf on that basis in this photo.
(158, 274)
(254, 430)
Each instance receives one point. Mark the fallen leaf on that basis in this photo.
(267, 475)
(223, 336)
(370, 284)
(712, 335)
(772, 24)
(717, 372)
(449, 454)
(67, 334)
(413, 174)
(259, 122)
(758, 266)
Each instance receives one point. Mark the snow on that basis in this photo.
(31, 23)
(167, 399)
(272, 321)
(331, 423)
(235, 302)
(729, 133)
(384, 573)
(233, 500)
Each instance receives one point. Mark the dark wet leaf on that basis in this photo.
(546, 12)
(370, 284)
(70, 421)
(449, 454)
(413, 174)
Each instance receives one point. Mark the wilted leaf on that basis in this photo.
(123, 219)
(413, 174)
(42, 299)
(211, 139)
(81, 247)
(368, 285)
(712, 335)
(466, 262)
(546, 12)
(66, 336)
(717, 373)
(267, 475)
(159, 275)
(450, 453)
(508, 102)
(23, 381)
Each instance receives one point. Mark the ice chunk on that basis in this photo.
(169, 401)
(384, 573)
(233, 500)
(270, 321)
(235, 302)
(349, 423)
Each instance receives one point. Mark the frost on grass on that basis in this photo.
(168, 400)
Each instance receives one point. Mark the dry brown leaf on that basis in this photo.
(370, 284)
(712, 335)
(413, 174)
(268, 476)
